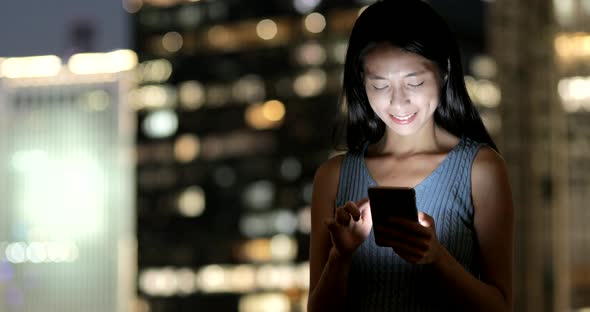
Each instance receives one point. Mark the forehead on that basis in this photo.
(385, 57)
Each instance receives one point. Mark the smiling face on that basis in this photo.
(403, 89)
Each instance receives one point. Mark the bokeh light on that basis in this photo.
(160, 124)
(191, 202)
(311, 53)
(172, 41)
(259, 195)
(265, 116)
(310, 83)
(266, 29)
(191, 95)
(155, 71)
(315, 23)
(187, 147)
(249, 88)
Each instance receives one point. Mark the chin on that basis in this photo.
(404, 132)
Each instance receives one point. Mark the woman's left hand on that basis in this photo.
(414, 242)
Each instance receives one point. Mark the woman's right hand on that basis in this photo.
(350, 226)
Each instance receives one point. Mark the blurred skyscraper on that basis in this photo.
(67, 234)
(542, 52)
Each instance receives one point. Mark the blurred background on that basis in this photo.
(158, 155)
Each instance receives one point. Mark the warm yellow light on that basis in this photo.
(254, 117)
(191, 203)
(256, 250)
(484, 66)
(273, 110)
(266, 29)
(155, 70)
(102, 63)
(283, 248)
(265, 116)
(186, 281)
(30, 67)
(153, 96)
(85, 63)
(212, 278)
(121, 60)
(315, 23)
(242, 278)
(187, 147)
(571, 46)
(310, 83)
(574, 93)
(221, 37)
(269, 302)
(191, 94)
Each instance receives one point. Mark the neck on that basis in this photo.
(425, 141)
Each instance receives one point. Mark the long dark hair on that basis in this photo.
(414, 26)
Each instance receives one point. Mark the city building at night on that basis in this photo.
(236, 105)
(67, 227)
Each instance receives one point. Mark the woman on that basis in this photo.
(411, 123)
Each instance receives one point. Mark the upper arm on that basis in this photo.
(325, 187)
(494, 220)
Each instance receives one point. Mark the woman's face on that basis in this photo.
(403, 88)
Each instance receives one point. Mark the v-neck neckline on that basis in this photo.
(434, 172)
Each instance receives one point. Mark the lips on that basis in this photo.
(403, 119)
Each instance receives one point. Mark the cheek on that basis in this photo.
(431, 99)
(378, 103)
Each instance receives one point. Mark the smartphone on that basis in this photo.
(387, 201)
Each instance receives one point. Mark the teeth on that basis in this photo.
(404, 117)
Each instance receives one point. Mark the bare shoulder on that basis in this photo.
(327, 176)
(488, 166)
(489, 179)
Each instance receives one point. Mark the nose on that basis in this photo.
(399, 97)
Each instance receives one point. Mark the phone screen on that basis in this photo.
(391, 202)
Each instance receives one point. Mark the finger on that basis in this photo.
(425, 220)
(353, 210)
(407, 226)
(365, 207)
(342, 216)
(362, 202)
(392, 234)
(406, 252)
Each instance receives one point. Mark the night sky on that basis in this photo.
(40, 27)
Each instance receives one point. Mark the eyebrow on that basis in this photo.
(411, 74)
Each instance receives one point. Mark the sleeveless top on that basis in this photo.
(379, 280)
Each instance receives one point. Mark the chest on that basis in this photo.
(405, 172)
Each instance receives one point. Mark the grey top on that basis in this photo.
(379, 279)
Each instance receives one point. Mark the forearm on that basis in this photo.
(466, 291)
(330, 291)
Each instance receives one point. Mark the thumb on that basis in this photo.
(425, 220)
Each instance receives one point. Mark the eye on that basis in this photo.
(380, 87)
(415, 85)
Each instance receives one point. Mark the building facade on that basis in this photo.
(67, 230)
